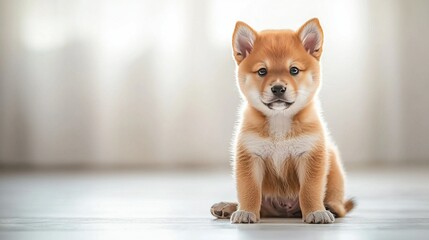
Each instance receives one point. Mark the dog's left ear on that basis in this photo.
(311, 35)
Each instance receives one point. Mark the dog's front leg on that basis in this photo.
(313, 177)
(249, 175)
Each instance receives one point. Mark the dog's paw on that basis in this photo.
(223, 209)
(322, 216)
(243, 217)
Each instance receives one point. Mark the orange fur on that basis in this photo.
(284, 151)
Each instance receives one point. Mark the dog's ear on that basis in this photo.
(242, 41)
(311, 35)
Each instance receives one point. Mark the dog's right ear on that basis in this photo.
(242, 41)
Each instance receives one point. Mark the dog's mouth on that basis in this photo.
(278, 104)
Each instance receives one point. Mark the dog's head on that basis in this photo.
(278, 71)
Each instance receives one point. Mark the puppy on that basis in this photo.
(285, 164)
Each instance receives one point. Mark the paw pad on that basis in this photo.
(223, 209)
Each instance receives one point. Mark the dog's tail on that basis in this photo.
(349, 204)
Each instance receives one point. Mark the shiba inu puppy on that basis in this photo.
(285, 164)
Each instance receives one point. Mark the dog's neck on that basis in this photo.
(279, 125)
(283, 125)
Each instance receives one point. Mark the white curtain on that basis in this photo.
(151, 83)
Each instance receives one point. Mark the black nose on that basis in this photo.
(278, 90)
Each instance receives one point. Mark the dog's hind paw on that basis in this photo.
(223, 209)
(323, 216)
(243, 217)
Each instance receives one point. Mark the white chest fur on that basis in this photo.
(278, 149)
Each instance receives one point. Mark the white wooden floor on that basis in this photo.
(392, 204)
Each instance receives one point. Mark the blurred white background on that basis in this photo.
(151, 83)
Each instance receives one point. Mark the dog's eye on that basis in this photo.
(293, 71)
(262, 72)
